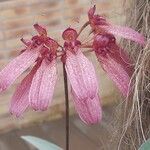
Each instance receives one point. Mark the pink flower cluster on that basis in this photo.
(37, 88)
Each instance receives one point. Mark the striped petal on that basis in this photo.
(81, 75)
(125, 32)
(20, 100)
(121, 57)
(16, 67)
(117, 73)
(42, 87)
(89, 109)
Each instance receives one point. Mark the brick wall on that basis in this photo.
(16, 20)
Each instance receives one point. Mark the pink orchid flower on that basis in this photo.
(37, 88)
(82, 78)
(113, 59)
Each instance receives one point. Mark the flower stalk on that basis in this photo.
(66, 106)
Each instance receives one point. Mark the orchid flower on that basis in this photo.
(83, 80)
(113, 59)
(37, 88)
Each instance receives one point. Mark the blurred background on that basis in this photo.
(16, 21)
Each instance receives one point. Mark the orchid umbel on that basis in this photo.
(113, 59)
(37, 88)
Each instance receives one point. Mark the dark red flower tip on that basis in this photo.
(70, 34)
(91, 11)
(103, 40)
(40, 29)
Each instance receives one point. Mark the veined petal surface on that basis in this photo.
(42, 87)
(81, 75)
(16, 67)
